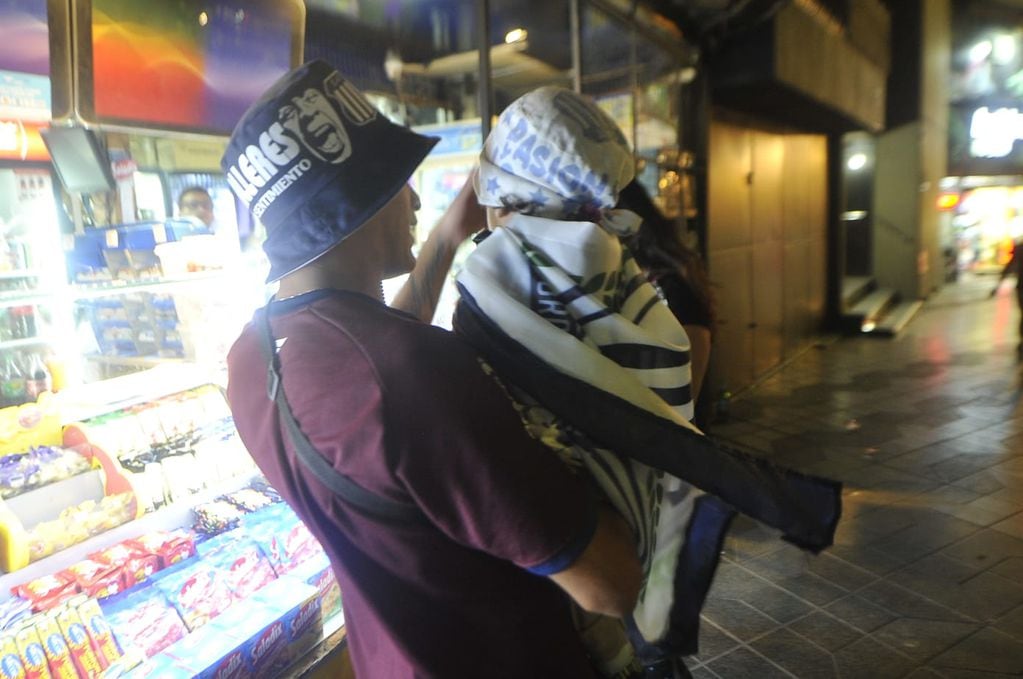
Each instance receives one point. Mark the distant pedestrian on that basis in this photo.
(1015, 266)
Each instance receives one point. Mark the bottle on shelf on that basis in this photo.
(13, 386)
(22, 321)
(37, 378)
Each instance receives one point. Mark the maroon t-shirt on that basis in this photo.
(405, 411)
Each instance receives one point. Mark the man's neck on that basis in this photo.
(310, 279)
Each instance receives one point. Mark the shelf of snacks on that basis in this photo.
(122, 286)
(197, 569)
(23, 342)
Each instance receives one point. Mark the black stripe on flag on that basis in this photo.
(646, 308)
(678, 396)
(595, 316)
(566, 297)
(645, 356)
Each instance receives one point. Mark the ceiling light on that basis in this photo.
(515, 35)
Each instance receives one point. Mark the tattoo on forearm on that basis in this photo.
(426, 281)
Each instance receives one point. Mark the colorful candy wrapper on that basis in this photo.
(30, 648)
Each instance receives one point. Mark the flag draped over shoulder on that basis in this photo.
(599, 369)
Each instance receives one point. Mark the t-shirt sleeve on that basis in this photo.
(460, 449)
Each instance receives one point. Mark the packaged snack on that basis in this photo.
(136, 566)
(216, 517)
(30, 648)
(10, 660)
(318, 573)
(244, 565)
(170, 548)
(209, 653)
(283, 538)
(13, 611)
(295, 608)
(249, 499)
(143, 620)
(95, 578)
(82, 655)
(162, 666)
(58, 655)
(100, 635)
(48, 591)
(197, 591)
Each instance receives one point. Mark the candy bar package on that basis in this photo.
(78, 642)
(100, 634)
(142, 619)
(10, 661)
(30, 649)
(198, 591)
(58, 655)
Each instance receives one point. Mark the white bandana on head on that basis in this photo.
(555, 154)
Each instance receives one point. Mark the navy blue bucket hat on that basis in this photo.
(313, 160)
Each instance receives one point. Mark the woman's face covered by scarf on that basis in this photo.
(554, 154)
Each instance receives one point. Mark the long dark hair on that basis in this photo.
(659, 251)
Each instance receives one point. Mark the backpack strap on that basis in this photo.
(341, 485)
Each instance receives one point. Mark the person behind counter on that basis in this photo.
(195, 201)
(449, 528)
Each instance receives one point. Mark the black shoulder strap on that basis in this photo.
(340, 484)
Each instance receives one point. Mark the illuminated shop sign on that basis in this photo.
(993, 132)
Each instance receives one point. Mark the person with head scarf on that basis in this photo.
(449, 528)
(599, 369)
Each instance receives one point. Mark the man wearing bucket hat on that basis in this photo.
(447, 525)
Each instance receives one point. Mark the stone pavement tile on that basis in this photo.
(743, 663)
(924, 673)
(860, 613)
(840, 572)
(1011, 569)
(1011, 526)
(867, 558)
(737, 618)
(923, 639)
(870, 658)
(736, 582)
(986, 651)
(796, 654)
(713, 642)
(702, 672)
(926, 456)
(748, 539)
(925, 537)
(970, 674)
(1011, 623)
(981, 482)
(961, 466)
(825, 630)
(905, 603)
(988, 546)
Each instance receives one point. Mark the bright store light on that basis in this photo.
(515, 35)
(856, 162)
(204, 18)
(980, 51)
(1004, 50)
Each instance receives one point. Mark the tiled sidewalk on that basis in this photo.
(926, 576)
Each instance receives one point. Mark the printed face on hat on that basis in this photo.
(312, 118)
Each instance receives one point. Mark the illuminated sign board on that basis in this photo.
(993, 132)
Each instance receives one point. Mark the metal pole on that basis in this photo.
(484, 85)
(574, 28)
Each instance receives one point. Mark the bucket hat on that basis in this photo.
(313, 160)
